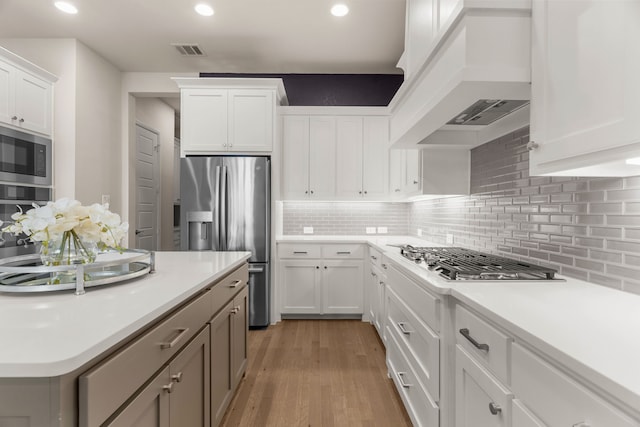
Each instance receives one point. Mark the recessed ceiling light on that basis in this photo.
(204, 9)
(66, 7)
(339, 10)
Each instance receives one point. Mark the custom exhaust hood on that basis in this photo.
(473, 85)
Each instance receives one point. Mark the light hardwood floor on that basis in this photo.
(316, 373)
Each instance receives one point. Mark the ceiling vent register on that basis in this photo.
(188, 49)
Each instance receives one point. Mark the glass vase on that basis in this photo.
(69, 249)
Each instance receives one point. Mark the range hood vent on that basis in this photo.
(487, 111)
(188, 49)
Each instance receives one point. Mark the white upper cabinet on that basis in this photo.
(309, 151)
(585, 107)
(26, 95)
(228, 115)
(363, 157)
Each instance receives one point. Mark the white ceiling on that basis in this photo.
(243, 36)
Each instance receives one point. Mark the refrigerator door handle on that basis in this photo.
(223, 210)
(256, 270)
(216, 211)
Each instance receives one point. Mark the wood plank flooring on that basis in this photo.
(316, 373)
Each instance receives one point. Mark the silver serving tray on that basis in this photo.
(26, 273)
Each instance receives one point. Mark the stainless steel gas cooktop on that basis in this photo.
(465, 264)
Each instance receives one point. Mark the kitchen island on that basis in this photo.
(57, 348)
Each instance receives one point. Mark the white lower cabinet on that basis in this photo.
(321, 279)
(412, 316)
(558, 400)
(522, 417)
(481, 400)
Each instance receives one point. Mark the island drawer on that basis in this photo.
(299, 250)
(104, 388)
(225, 289)
(375, 257)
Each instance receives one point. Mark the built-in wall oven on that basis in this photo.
(24, 158)
(12, 196)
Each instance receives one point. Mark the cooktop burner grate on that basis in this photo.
(465, 264)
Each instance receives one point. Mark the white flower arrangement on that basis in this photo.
(69, 225)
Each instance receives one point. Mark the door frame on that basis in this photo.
(156, 181)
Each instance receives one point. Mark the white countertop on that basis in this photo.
(588, 328)
(51, 334)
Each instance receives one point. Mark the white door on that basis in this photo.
(33, 103)
(251, 120)
(147, 189)
(295, 141)
(203, 121)
(301, 287)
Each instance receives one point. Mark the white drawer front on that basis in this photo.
(419, 343)
(375, 256)
(421, 408)
(522, 417)
(298, 250)
(556, 399)
(481, 400)
(423, 303)
(342, 251)
(472, 332)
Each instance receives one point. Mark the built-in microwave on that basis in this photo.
(24, 158)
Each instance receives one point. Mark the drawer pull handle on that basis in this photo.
(494, 408)
(168, 388)
(403, 329)
(176, 378)
(384, 266)
(374, 258)
(300, 252)
(235, 283)
(465, 333)
(373, 274)
(181, 333)
(400, 376)
(581, 424)
(234, 310)
(344, 253)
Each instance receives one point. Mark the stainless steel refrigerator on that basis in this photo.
(225, 206)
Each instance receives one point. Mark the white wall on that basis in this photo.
(155, 114)
(98, 166)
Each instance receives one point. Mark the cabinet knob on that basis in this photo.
(317, 267)
(359, 192)
(176, 378)
(494, 408)
(415, 182)
(325, 267)
(224, 145)
(397, 190)
(532, 145)
(14, 118)
(311, 191)
(384, 266)
(168, 388)
(21, 120)
(306, 192)
(365, 191)
(234, 310)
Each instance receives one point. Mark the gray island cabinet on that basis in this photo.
(180, 368)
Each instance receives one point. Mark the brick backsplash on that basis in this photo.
(587, 228)
(344, 218)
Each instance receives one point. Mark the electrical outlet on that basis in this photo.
(307, 230)
(382, 230)
(449, 239)
(106, 199)
(419, 232)
(371, 230)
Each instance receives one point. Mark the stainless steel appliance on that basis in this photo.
(225, 206)
(454, 263)
(24, 158)
(12, 196)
